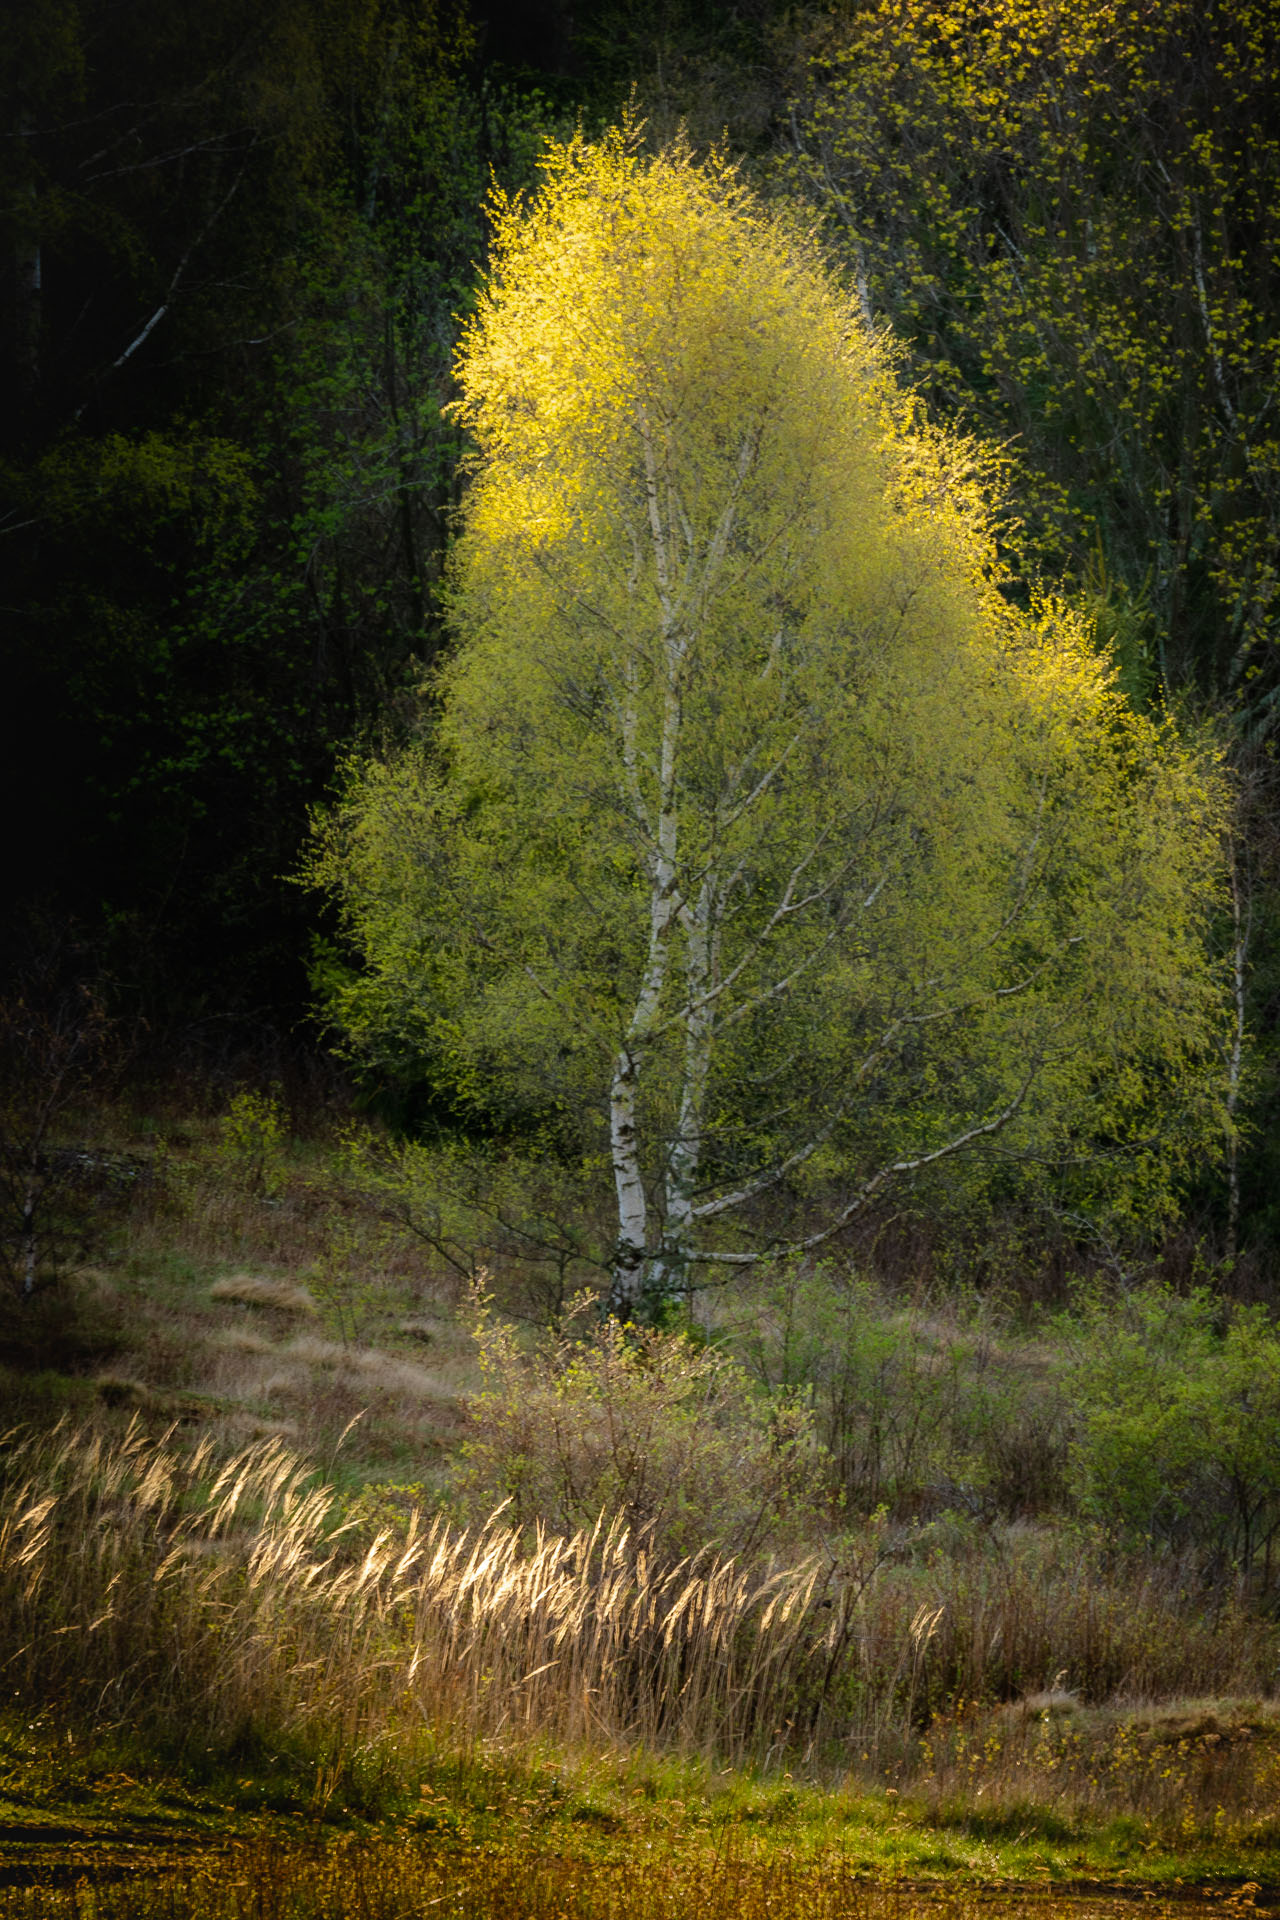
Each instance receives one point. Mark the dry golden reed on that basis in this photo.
(214, 1601)
(141, 1579)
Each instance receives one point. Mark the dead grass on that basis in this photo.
(257, 1290)
(1205, 1770)
(243, 1311)
(216, 1600)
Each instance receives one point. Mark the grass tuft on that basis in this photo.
(253, 1290)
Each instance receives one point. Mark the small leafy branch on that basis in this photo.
(252, 1138)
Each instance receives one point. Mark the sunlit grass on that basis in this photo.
(220, 1601)
(653, 1875)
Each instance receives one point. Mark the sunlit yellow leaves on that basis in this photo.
(755, 813)
(1072, 212)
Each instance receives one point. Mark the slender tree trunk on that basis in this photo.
(629, 1284)
(405, 490)
(633, 1213)
(28, 276)
(28, 283)
(632, 1281)
(29, 1246)
(1239, 959)
(669, 1278)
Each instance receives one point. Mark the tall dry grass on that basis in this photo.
(213, 1602)
(1208, 1770)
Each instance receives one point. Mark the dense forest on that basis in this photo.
(239, 248)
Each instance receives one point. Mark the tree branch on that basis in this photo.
(867, 1192)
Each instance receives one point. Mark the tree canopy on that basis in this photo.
(1070, 212)
(235, 255)
(232, 246)
(761, 849)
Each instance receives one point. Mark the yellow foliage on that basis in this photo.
(762, 842)
(1070, 211)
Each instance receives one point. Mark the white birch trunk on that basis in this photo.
(29, 1247)
(670, 1277)
(1235, 1057)
(633, 1222)
(28, 287)
(630, 1275)
(645, 1278)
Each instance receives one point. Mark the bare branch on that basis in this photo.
(869, 1188)
(145, 332)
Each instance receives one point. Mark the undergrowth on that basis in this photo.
(239, 1604)
(394, 1878)
(900, 1588)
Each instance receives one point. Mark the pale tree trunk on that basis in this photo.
(646, 1279)
(629, 1265)
(27, 298)
(28, 283)
(1239, 957)
(669, 1278)
(633, 1213)
(630, 1276)
(29, 1242)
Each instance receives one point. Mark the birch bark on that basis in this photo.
(630, 1277)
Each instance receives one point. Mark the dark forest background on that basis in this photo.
(236, 241)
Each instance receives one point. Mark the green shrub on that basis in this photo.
(1179, 1424)
(918, 1411)
(647, 1424)
(520, 1215)
(251, 1140)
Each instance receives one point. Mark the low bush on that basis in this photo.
(252, 1137)
(919, 1411)
(670, 1435)
(1178, 1438)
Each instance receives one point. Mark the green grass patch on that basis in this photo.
(458, 1828)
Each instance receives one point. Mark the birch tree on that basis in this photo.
(760, 849)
